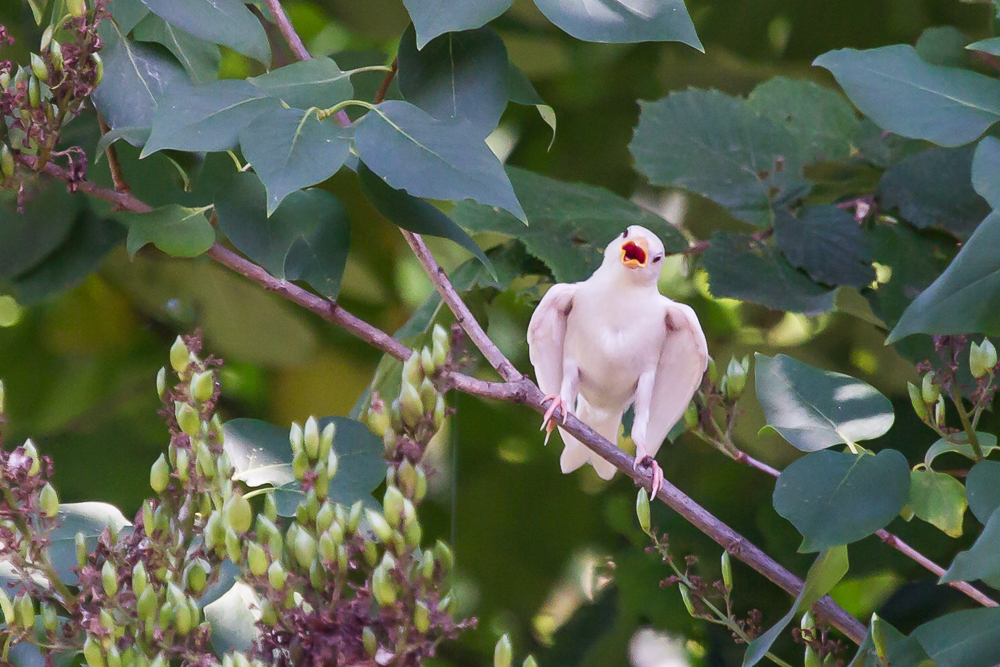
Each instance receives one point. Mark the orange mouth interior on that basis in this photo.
(633, 254)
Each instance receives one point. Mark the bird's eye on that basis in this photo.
(625, 233)
(657, 258)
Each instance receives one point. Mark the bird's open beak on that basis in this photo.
(635, 253)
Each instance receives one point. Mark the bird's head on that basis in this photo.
(637, 253)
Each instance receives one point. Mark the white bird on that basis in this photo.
(612, 341)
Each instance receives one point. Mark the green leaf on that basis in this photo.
(226, 22)
(127, 13)
(317, 82)
(938, 499)
(837, 498)
(966, 297)
(980, 561)
(200, 58)
(827, 243)
(933, 188)
(431, 158)
(89, 518)
(234, 627)
(206, 118)
(990, 46)
(440, 16)
(174, 229)
(717, 146)
(982, 487)
(987, 441)
(969, 638)
(815, 409)
(619, 21)
(457, 75)
(27, 239)
(414, 215)
(135, 76)
(944, 46)
(569, 223)
(821, 121)
(903, 94)
(901, 651)
(520, 91)
(292, 149)
(730, 258)
(985, 170)
(261, 454)
(306, 238)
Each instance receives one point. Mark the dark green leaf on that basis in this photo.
(901, 651)
(982, 487)
(225, 576)
(986, 170)
(226, 22)
(837, 498)
(730, 258)
(821, 120)
(306, 238)
(440, 16)
(933, 188)
(966, 297)
(200, 58)
(414, 215)
(938, 499)
(260, 452)
(457, 75)
(618, 21)
(317, 82)
(431, 158)
(987, 441)
(520, 91)
(944, 46)
(815, 409)
(569, 223)
(292, 149)
(969, 638)
(827, 243)
(980, 561)
(176, 230)
(206, 118)
(903, 94)
(88, 518)
(26, 239)
(234, 627)
(990, 46)
(716, 145)
(127, 13)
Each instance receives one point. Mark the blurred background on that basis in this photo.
(557, 561)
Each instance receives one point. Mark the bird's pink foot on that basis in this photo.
(644, 460)
(548, 419)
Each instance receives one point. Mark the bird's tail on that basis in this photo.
(575, 453)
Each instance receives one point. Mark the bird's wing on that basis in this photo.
(547, 334)
(683, 361)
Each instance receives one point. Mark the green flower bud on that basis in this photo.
(166, 616)
(304, 547)
(420, 486)
(276, 575)
(369, 641)
(879, 638)
(982, 358)
(161, 382)
(182, 620)
(317, 576)
(691, 415)
(256, 559)
(239, 514)
(81, 550)
(92, 652)
(109, 579)
(989, 354)
(354, 518)
(530, 662)
(503, 652)
(31, 454)
(4, 79)
(25, 611)
(807, 622)
(325, 516)
(46, 39)
(39, 68)
(187, 418)
(203, 386)
(371, 553)
(686, 597)
(811, 658)
(310, 438)
(76, 8)
(917, 400)
(139, 579)
(427, 565)
(428, 395)
(98, 68)
(183, 465)
(326, 445)
(270, 507)
(300, 464)
(268, 615)
(414, 534)
(441, 345)
(642, 510)
(342, 558)
(234, 546)
(427, 361)
(180, 355)
(392, 506)
(444, 556)
(327, 548)
(421, 617)
(9, 617)
(56, 55)
(379, 526)
(48, 501)
(196, 575)
(445, 603)
(378, 422)
(50, 621)
(7, 167)
(114, 657)
(939, 411)
(407, 475)
(410, 405)
(929, 389)
(713, 371)
(727, 571)
(295, 438)
(412, 372)
(332, 464)
(382, 588)
(159, 475)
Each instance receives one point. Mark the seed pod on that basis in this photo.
(917, 400)
(276, 575)
(203, 386)
(159, 475)
(713, 371)
(421, 617)
(48, 501)
(109, 579)
(326, 444)
(256, 559)
(989, 354)
(369, 641)
(139, 579)
(39, 68)
(91, 648)
(379, 526)
(317, 575)
(642, 510)
(76, 9)
(187, 418)
(310, 438)
(413, 534)
(239, 514)
(371, 553)
(503, 652)
(4, 79)
(180, 355)
(727, 572)
(686, 597)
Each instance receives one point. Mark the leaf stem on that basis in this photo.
(966, 424)
(323, 114)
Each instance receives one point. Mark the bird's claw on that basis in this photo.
(644, 460)
(548, 419)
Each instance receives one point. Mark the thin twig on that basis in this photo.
(390, 75)
(117, 175)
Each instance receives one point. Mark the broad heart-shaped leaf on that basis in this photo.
(431, 158)
(234, 627)
(568, 223)
(174, 229)
(621, 21)
(986, 170)
(206, 118)
(200, 58)
(827, 243)
(820, 119)
(933, 188)
(987, 441)
(457, 75)
(982, 560)
(814, 409)
(413, 214)
(943, 45)
(903, 94)
(969, 638)
(730, 258)
(261, 454)
(292, 149)
(306, 238)
(89, 518)
(982, 487)
(135, 77)
(837, 498)
(436, 17)
(828, 568)
(900, 651)
(966, 297)
(938, 499)
(317, 82)
(226, 22)
(718, 146)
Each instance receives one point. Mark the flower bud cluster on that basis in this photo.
(927, 400)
